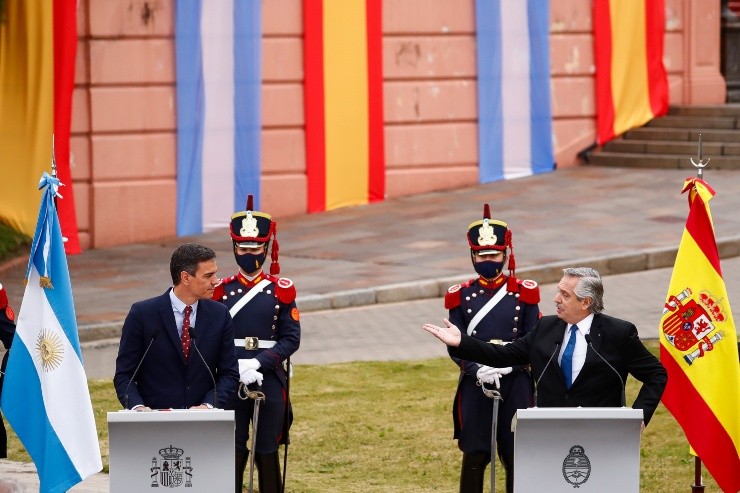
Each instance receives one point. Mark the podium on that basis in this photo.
(187, 450)
(594, 449)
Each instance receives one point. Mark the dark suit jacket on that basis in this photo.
(164, 379)
(597, 385)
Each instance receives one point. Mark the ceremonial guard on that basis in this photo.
(498, 309)
(7, 330)
(267, 331)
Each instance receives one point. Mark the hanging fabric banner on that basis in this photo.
(345, 162)
(219, 82)
(38, 45)
(631, 80)
(514, 111)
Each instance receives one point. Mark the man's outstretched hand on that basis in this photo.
(449, 334)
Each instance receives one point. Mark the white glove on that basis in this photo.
(250, 376)
(249, 364)
(490, 375)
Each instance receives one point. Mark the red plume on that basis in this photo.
(250, 202)
(512, 282)
(274, 265)
(486, 212)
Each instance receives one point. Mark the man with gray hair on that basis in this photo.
(580, 357)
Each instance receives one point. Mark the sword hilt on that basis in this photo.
(245, 393)
(490, 393)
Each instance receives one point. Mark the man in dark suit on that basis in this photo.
(571, 343)
(174, 328)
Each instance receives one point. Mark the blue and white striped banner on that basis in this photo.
(219, 75)
(45, 396)
(514, 114)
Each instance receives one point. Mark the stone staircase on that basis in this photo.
(670, 141)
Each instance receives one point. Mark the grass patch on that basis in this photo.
(387, 426)
(12, 243)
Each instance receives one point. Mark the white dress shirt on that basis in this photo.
(178, 308)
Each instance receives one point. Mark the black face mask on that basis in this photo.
(488, 269)
(250, 262)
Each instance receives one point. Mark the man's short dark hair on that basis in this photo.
(186, 258)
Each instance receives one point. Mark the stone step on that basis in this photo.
(725, 110)
(633, 160)
(683, 134)
(696, 122)
(687, 149)
(672, 141)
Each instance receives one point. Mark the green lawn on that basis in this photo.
(12, 243)
(387, 427)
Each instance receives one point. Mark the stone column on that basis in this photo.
(702, 80)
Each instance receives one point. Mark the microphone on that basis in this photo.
(590, 343)
(125, 396)
(191, 330)
(537, 382)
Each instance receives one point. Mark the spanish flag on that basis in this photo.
(38, 43)
(631, 80)
(698, 346)
(345, 162)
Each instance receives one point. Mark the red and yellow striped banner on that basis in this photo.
(38, 43)
(631, 81)
(698, 346)
(345, 162)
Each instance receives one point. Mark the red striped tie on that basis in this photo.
(185, 338)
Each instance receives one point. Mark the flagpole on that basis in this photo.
(53, 164)
(698, 486)
(701, 162)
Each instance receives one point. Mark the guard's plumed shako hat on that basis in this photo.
(487, 236)
(250, 228)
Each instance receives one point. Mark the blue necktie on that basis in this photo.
(567, 360)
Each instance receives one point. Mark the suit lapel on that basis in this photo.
(556, 336)
(168, 321)
(559, 334)
(202, 315)
(597, 338)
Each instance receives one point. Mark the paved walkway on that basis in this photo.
(369, 276)
(616, 220)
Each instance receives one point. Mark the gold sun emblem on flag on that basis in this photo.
(50, 349)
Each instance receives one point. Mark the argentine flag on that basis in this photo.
(514, 111)
(45, 396)
(218, 57)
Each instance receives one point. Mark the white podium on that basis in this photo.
(594, 449)
(186, 450)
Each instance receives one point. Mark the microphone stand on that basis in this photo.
(192, 332)
(131, 380)
(537, 382)
(590, 343)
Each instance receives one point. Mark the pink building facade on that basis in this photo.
(123, 147)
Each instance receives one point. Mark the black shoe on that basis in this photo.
(268, 467)
(473, 470)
